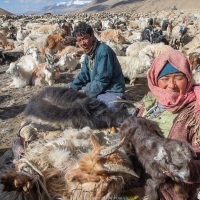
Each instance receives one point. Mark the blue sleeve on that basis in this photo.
(82, 78)
(103, 75)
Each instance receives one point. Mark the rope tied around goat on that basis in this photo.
(35, 178)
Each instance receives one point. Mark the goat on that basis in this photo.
(55, 42)
(3, 40)
(69, 168)
(8, 57)
(144, 139)
(132, 66)
(21, 76)
(45, 73)
(100, 174)
(112, 34)
(66, 107)
(194, 59)
(151, 51)
(67, 61)
(196, 76)
(22, 71)
(178, 35)
(117, 48)
(133, 49)
(20, 35)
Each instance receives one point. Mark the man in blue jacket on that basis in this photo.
(101, 75)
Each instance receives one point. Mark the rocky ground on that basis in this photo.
(14, 100)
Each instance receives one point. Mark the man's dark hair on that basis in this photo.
(81, 29)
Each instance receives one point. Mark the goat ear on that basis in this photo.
(162, 154)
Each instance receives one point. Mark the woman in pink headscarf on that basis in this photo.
(174, 103)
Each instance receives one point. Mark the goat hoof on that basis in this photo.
(27, 187)
(21, 180)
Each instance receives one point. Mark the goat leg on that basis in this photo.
(151, 190)
(102, 190)
(16, 181)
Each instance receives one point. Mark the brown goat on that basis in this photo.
(144, 140)
(112, 34)
(66, 30)
(55, 42)
(98, 174)
(194, 59)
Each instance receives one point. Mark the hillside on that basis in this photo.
(136, 6)
(4, 12)
(139, 6)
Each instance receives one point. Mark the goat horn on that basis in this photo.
(120, 168)
(111, 149)
(94, 141)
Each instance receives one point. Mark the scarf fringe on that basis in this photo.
(193, 122)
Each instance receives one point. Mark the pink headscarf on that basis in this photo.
(173, 101)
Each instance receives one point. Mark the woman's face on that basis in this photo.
(86, 41)
(176, 82)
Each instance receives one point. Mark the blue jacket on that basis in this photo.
(104, 75)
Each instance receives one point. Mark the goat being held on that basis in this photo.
(100, 174)
(158, 155)
(66, 107)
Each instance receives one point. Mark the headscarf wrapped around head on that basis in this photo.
(173, 101)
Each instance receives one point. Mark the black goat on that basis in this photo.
(144, 139)
(8, 57)
(65, 107)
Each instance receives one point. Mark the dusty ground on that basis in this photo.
(14, 100)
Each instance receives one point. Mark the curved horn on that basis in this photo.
(111, 149)
(120, 169)
(94, 141)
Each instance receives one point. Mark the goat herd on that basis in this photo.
(69, 165)
(42, 46)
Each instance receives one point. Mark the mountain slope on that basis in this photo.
(67, 7)
(4, 12)
(139, 5)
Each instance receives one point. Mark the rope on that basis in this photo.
(122, 101)
(37, 179)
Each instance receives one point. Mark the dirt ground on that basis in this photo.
(14, 100)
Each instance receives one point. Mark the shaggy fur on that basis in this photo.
(69, 167)
(156, 153)
(194, 59)
(66, 107)
(99, 175)
(55, 42)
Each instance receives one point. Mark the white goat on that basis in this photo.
(117, 48)
(196, 76)
(151, 51)
(133, 49)
(36, 41)
(132, 66)
(67, 61)
(22, 70)
(20, 35)
(21, 75)
(45, 73)
(178, 36)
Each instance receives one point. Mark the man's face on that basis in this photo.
(86, 41)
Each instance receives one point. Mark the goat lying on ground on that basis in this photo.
(100, 174)
(156, 153)
(64, 167)
(66, 107)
